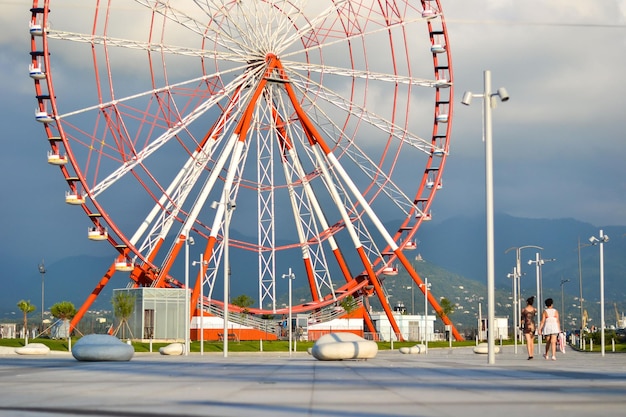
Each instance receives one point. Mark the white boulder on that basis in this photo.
(102, 347)
(341, 346)
(172, 349)
(483, 348)
(412, 350)
(33, 349)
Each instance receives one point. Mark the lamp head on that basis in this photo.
(504, 95)
(594, 240)
(214, 205)
(190, 240)
(467, 98)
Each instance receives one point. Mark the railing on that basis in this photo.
(272, 326)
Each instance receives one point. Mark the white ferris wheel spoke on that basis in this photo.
(145, 46)
(165, 137)
(386, 126)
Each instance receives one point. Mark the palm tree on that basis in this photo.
(63, 312)
(349, 304)
(123, 307)
(447, 308)
(244, 302)
(26, 307)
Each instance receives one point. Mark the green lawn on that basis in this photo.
(233, 346)
(268, 346)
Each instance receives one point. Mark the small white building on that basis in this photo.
(501, 330)
(159, 313)
(7, 330)
(412, 327)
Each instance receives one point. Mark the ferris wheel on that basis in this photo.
(275, 134)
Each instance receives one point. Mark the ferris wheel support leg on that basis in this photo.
(369, 323)
(92, 297)
(379, 291)
(311, 278)
(195, 294)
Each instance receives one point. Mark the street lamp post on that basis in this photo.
(291, 276)
(518, 265)
(42, 271)
(426, 286)
(489, 102)
(412, 299)
(202, 264)
(188, 241)
(538, 263)
(580, 284)
(563, 281)
(601, 240)
(229, 206)
(513, 277)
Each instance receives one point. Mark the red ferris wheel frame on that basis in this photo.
(152, 268)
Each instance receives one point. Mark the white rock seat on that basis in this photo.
(102, 347)
(342, 346)
(172, 349)
(33, 349)
(483, 348)
(412, 350)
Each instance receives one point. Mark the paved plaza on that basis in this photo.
(443, 383)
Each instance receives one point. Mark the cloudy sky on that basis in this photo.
(559, 143)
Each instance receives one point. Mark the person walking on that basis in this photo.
(550, 327)
(528, 325)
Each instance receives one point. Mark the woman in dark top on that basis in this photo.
(528, 325)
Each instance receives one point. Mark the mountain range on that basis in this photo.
(452, 254)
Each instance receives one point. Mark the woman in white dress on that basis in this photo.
(550, 328)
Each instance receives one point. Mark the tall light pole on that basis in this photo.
(188, 241)
(426, 286)
(412, 299)
(538, 263)
(489, 102)
(601, 241)
(580, 283)
(202, 264)
(513, 277)
(230, 206)
(518, 266)
(291, 276)
(42, 271)
(563, 281)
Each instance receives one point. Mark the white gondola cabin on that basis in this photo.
(410, 245)
(122, 264)
(55, 158)
(74, 198)
(437, 49)
(442, 118)
(390, 270)
(428, 13)
(97, 233)
(431, 184)
(35, 29)
(43, 117)
(35, 72)
(424, 216)
(438, 152)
